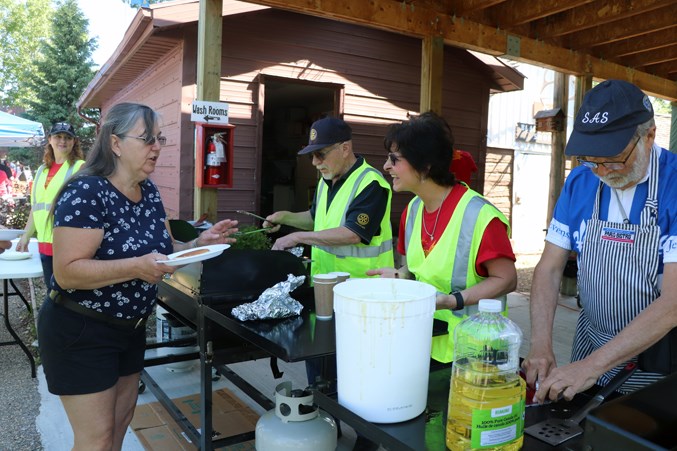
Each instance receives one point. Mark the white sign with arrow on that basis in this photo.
(209, 112)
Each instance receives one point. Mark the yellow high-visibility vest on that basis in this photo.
(450, 266)
(42, 198)
(354, 258)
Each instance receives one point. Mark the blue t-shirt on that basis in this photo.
(131, 229)
(575, 204)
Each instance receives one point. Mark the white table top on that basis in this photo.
(22, 269)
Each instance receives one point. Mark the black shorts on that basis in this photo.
(81, 355)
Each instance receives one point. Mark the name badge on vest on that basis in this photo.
(618, 235)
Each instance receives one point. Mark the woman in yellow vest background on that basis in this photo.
(450, 236)
(62, 158)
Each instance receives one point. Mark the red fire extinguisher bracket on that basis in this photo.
(214, 155)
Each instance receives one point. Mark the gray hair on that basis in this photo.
(119, 121)
(643, 129)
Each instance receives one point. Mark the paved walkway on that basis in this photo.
(32, 419)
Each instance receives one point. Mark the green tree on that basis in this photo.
(142, 3)
(24, 27)
(63, 72)
(661, 106)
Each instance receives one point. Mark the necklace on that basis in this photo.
(431, 235)
(425, 229)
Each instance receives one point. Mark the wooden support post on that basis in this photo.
(583, 85)
(209, 31)
(432, 61)
(560, 97)
(673, 128)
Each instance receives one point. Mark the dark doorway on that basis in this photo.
(288, 181)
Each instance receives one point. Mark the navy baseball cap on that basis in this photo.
(62, 127)
(608, 118)
(325, 132)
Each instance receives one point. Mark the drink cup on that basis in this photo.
(324, 295)
(340, 276)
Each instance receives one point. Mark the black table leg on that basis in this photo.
(18, 293)
(17, 340)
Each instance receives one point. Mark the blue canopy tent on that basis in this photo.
(19, 132)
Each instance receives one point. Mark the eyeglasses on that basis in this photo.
(613, 165)
(149, 140)
(393, 158)
(321, 155)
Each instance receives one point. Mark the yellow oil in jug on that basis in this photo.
(485, 408)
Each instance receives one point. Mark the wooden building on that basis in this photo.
(279, 72)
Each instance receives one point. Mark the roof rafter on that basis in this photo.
(593, 15)
(644, 43)
(419, 21)
(657, 56)
(621, 29)
(463, 7)
(664, 69)
(515, 12)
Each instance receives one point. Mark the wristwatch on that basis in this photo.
(459, 300)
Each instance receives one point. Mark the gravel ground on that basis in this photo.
(19, 397)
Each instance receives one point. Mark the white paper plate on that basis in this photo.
(10, 234)
(14, 255)
(177, 258)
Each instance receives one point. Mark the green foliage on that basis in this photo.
(31, 156)
(64, 71)
(14, 214)
(257, 241)
(24, 27)
(661, 106)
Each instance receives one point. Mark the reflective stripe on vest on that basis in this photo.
(42, 198)
(473, 213)
(356, 258)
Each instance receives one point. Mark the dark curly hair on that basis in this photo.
(427, 143)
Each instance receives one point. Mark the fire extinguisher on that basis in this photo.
(212, 174)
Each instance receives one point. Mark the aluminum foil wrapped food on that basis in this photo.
(298, 251)
(275, 302)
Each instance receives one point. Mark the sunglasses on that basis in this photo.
(393, 158)
(321, 155)
(149, 140)
(612, 165)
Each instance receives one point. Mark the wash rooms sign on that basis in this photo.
(209, 112)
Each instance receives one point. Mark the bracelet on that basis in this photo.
(195, 243)
(460, 303)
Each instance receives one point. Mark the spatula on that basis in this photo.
(555, 431)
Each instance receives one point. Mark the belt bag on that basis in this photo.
(662, 356)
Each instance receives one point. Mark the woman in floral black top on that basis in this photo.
(110, 238)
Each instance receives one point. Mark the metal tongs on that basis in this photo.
(262, 229)
(244, 212)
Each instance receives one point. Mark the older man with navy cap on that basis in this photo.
(348, 224)
(618, 212)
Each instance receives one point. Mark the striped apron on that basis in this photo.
(617, 279)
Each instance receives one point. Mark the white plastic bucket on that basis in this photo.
(383, 338)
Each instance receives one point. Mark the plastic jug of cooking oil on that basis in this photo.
(487, 395)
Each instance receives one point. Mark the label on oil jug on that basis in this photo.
(494, 427)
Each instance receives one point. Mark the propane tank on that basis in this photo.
(212, 165)
(295, 424)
